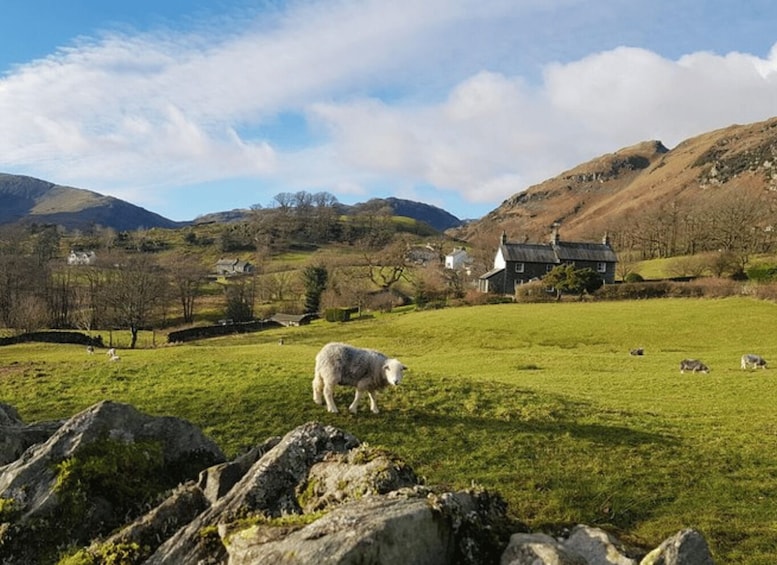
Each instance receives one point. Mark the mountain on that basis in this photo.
(433, 216)
(30, 200)
(436, 217)
(608, 192)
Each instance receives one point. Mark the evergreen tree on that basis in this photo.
(314, 278)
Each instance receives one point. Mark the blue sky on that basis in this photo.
(187, 107)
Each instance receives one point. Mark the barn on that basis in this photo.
(519, 263)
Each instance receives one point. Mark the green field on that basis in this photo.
(541, 402)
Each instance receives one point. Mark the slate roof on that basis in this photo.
(562, 252)
(528, 253)
(567, 251)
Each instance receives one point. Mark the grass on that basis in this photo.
(541, 402)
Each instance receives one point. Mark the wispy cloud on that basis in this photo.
(448, 94)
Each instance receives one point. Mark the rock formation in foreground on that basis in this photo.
(113, 485)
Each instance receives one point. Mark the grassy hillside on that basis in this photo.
(541, 402)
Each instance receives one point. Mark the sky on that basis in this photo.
(187, 107)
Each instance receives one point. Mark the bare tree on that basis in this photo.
(20, 277)
(388, 266)
(735, 225)
(134, 287)
(186, 276)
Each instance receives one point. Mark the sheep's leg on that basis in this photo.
(329, 397)
(373, 402)
(318, 390)
(354, 407)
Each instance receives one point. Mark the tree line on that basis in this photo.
(148, 278)
(737, 223)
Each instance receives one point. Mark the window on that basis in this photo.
(601, 267)
(549, 268)
(519, 267)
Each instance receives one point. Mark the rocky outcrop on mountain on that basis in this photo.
(611, 190)
(315, 495)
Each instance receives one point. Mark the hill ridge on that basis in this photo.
(614, 188)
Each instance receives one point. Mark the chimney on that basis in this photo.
(606, 239)
(503, 239)
(554, 237)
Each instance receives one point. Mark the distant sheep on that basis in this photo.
(750, 360)
(90, 349)
(637, 351)
(693, 365)
(365, 369)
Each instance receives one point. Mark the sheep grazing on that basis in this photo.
(365, 369)
(90, 349)
(694, 366)
(636, 352)
(750, 360)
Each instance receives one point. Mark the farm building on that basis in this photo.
(519, 263)
(228, 266)
(290, 320)
(81, 258)
(456, 259)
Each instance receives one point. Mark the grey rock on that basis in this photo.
(597, 546)
(687, 547)
(360, 472)
(30, 480)
(401, 527)
(268, 489)
(539, 549)
(160, 523)
(217, 481)
(16, 436)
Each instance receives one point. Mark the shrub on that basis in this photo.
(704, 287)
(633, 278)
(535, 291)
(339, 314)
(762, 273)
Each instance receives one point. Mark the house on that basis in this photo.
(81, 258)
(519, 263)
(290, 320)
(456, 259)
(229, 267)
(422, 255)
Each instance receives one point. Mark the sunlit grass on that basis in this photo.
(542, 403)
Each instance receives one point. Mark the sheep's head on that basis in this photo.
(392, 370)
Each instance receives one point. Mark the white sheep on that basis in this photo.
(751, 360)
(365, 369)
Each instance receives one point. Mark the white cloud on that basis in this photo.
(397, 94)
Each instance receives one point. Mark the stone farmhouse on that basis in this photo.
(81, 258)
(229, 267)
(519, 263)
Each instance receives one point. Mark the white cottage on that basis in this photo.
(81, 258)
(456, 259)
